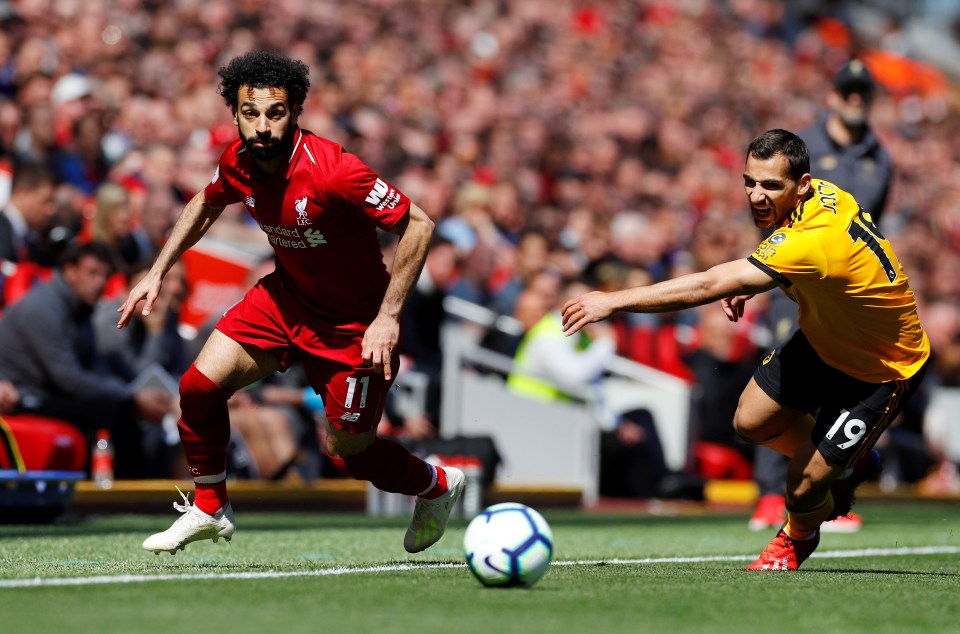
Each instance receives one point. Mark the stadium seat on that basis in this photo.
(46, 444)
(714, 461)
(19, 278)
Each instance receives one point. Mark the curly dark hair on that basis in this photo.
(265, 69)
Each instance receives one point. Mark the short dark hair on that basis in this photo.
(265, 69)
(779, 141)
(31, 175)
(76, 251)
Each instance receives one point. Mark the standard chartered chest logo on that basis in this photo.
(300, 236)
(293, 238)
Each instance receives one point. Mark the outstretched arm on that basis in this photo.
(724, 280)
(195, 219)
(384, 333)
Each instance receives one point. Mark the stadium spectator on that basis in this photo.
(854, 361)
(48, 352)
(81, 161)
(722, 363)
(35, 141)
(420, 332)
(150, 352)
(9, 396)
(632, 462)
(843, 147)
(530, 258)
(27, 216)
(112, 227)
(320, 207)
(553, 368)
(156, 220)
(151, 339)
(306, 423)
(537, 298)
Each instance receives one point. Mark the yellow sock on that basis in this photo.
(803, 524)
(795, 435)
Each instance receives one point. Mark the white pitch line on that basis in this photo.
(41, 582)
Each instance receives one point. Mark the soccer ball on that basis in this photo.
(508, 545)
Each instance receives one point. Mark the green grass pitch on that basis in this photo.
(292, 572)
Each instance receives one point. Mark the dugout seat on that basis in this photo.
(18, 278)
(713, 461)
(46, 444)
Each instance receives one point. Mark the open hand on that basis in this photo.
(148, 288)
(585, 309)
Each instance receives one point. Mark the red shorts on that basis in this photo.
(353, 394)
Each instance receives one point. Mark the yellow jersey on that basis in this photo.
(856, 307)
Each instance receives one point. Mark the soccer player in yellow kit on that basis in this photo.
(859, 355)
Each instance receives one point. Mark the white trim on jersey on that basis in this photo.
(296, 145)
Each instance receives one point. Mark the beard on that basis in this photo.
(854, 121)
(272, 146)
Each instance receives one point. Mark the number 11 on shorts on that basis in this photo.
(364, 386)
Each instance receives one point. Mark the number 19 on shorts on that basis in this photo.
(853, 429)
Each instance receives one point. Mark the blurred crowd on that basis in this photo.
(549, 139)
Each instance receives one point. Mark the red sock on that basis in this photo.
(211, 497)
(204, 433)
(390, 467)
(439, 488)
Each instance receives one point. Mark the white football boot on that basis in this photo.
(430, 516)
(192, 526)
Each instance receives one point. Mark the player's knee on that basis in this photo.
(747, 427)
(341, 444)
(198, 391)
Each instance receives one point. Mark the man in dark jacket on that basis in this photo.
(47, 351)
(25, 219)
(843, 148)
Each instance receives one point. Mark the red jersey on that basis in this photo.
(321, 216)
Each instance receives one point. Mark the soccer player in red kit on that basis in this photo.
(330, 303)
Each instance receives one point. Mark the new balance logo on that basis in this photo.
(378, 192)
(351, 417)
(250, 202)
